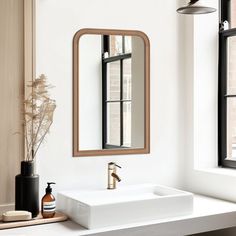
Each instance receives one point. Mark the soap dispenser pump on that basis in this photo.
(48, 202)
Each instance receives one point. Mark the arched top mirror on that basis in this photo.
(111, 92)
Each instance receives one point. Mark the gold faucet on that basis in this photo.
(112, 176)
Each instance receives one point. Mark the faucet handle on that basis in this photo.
(113, 163)
(118, 166)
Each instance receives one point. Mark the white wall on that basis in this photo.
(57, 22)
(90, 92)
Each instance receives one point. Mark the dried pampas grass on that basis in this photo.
(38, 116)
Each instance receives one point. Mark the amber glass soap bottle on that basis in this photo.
(48, 203)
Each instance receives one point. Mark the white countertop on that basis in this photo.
(208, 214)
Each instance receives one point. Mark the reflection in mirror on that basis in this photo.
(111, 93)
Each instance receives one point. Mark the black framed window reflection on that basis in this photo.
(117, 91)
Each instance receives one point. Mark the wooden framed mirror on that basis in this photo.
(111, 92)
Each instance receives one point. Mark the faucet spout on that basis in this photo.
(116, 177)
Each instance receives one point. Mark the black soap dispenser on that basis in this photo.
(48, 203)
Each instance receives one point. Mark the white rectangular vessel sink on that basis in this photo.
(129, 204)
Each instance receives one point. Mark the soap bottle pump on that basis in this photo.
(48, 203)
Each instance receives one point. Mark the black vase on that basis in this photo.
(27, 189)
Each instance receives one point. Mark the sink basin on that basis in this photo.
(129, 204)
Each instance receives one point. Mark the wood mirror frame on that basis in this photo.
(102, 152)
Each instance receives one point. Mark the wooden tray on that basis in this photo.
(36, 221)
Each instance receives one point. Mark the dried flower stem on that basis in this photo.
(41, 140)
(38, 114)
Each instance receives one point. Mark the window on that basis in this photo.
(116, 76)
(227, 84)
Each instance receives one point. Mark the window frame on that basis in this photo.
(222, 85)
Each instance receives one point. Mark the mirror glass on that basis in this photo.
(111, 92)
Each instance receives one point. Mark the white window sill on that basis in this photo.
(219, 171)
